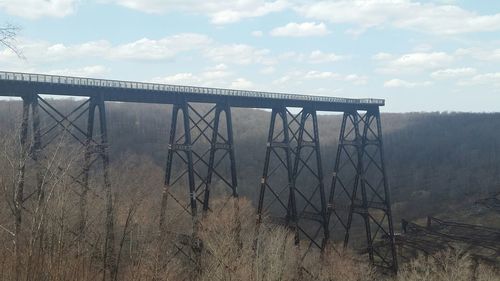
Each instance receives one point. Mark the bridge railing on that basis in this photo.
(93, 82)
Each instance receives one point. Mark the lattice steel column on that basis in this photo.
(308, 181)
(52, 131)
(293, 150)
(203, 153)
(278, 149)
(28, 149)
(360, 186)
(225, 144)
(102, 153)
(178, 145)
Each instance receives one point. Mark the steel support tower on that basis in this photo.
(293, 147)
(359, 178)
(201, 158)
(43, 139)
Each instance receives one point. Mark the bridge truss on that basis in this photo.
(201, 148)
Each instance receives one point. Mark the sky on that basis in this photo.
(434, 55)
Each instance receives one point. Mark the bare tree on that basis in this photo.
(8, 34)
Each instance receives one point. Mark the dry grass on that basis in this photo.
(447, 266)
(232, 249)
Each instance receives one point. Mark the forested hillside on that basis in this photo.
(438, 163)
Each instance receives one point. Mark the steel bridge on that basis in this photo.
(293, 189)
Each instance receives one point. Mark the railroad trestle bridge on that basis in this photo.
(201, 142)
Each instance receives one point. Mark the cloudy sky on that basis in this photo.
(434, 55)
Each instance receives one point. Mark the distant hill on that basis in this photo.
(438, 163)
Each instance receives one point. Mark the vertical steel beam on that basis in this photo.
(232, 157)
(186, 148)
(39, 213)
(387, 193)
(295, 169)
(181, 147)
(291, 218)
(36, 149)
(109, 252)
(363, 182)
(319, 165)
(234, 178)
(89, 151)
(168, 168)
(19, 191)
(211, 160)
(265, 172)
(190, 166)
(357, 143)
(29, 150)
(336, 167)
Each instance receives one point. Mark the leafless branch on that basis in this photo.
(8, 34)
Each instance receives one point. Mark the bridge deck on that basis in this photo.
(19, 84)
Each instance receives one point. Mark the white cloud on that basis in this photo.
(321, 75)
(184, 78)
(268, 70)
(422, 48)
(300, 30)
(165, 48)
(356, 79)
(87, 71)
(219, 71)
(239, 54)
(412, 62)
(446, 1)
(289, 55)
(480, 53)
(451, 73)
(314, 57)
(328, 92)
(398, 83)
(492, 79)
(242, 84)
(219, 11)
(404, 14)
(382, 56)
(34, 9)
(292, 76)
(318, 56)
(299, 77)
(215, 76)
(257, 33)
(143, 49)
(424, 60)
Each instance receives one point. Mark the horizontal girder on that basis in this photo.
(19, 84)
